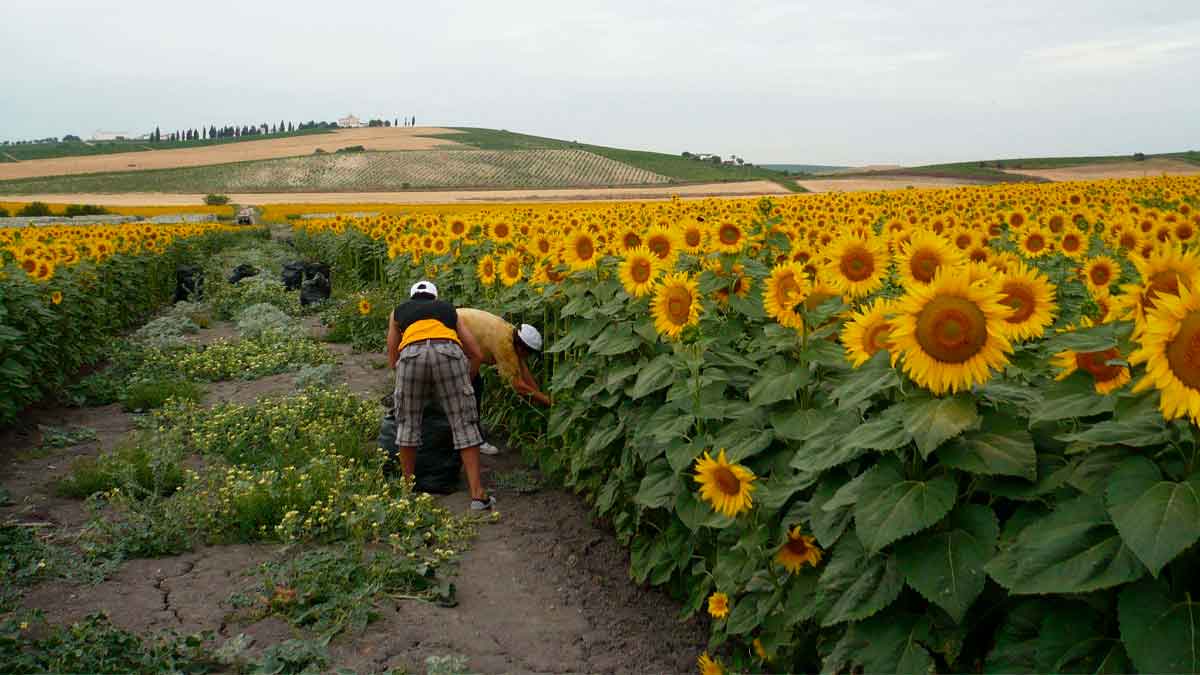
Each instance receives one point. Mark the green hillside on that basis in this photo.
(30, 151)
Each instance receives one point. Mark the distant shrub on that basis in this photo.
(1139, 156)
(73, 210)
(3, 212)
(35, 210)
(319, 151)
(353, 148)
(216, 200)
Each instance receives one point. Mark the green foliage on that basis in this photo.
(216, 200)
(140, 468)
(65, 437)
(34, 210)
(333, 590)
(94, 645)
(364, 331)
(155, 393)
(230, 300)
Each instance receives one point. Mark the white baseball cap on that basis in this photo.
(530, 337)
(423, 286)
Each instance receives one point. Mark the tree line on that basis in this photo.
(213, 132)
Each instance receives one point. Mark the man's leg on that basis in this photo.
(470, 460)
(485, 447)
(411, 378)
(408, 461)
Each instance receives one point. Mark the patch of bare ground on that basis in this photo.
(693, 191)
(376, 138)
(545, 589)
(1101, 170)
(892, 182)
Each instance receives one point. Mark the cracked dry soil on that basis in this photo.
(546, 589)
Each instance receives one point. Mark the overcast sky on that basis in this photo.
(845, 82)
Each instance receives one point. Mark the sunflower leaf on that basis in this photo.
(890, 507)
(999, 448)
(934, 421)
(860, 384)
(1073, 397)
(1158, 519)
(855, 585)
(658, 486)
(657, 374)
(783, 385)
(1074, 549)
(892, 643)
(1161, 634)
(1092, 339)
(946, 566)
(616, 340)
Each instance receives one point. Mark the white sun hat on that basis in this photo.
(530, 337)
(423, 286)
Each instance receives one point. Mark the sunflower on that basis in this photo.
(56, 297)
(718, 605)
(662, 244)
(951, 333)
(1164, 273)
(638, 271)
(786, 288)
(1073, 244)
(1100, 272)
(709, 665)
(1031, 298)
(630, 238)
(580, 252)
(1034, 242)
(867, 331)
(364, 307)
(922, 257)
(799, 550)
(486, 270)
(740, 286)
(857, 265)
(729, 236)
(1108, 378)
(1170, 348)
(726, 487)
(692, 235)
(501, 232)
(676, 304)
(510, 268)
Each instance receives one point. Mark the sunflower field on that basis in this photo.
(66, 289)
(910, 431)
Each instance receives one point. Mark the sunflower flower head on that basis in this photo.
(726, 487)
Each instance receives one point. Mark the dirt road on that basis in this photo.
(378, 138)
(745, 189)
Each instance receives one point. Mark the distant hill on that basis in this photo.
(804, 168)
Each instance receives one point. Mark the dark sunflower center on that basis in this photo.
(924, 265)
(1101, 275)
(489, 269)
(1020, 298)
(632, 240)
(1035, 243)
(729, 234)
(877, 338)
(1183, 352)
(659, 246)
(1161, 283)
(692, 237)
(30, 266)
(502, 231)
(962, 241)
(513, 268)
(1096, 364)
(679, 305)
(640, 271)
(1017, 219)
(1070, 243)
(789, 290)
(584, 249)
(951, 329)
(857, 264)
(979, 255)
(1128, 241)
(726, 481)
(797, 547)
(1055, 223)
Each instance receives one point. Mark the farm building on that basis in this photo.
(109, 136)
(349, 122)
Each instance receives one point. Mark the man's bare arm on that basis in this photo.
(393, 343)
(470, 347)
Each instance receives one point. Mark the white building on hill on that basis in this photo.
(110, 136)
(350, 122)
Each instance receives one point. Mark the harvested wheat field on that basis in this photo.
(701, 190)
(1101, 170)
(378, 138)
(881, 183)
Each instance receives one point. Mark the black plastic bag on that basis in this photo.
(189, 283)
(293, 275)
(317, 284)
(241, 272)
(438, 463)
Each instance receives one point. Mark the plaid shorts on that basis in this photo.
(442, 366)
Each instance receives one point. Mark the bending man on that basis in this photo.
(431, 349)
(506, 347)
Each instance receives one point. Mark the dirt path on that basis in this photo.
(1130, 169)
(378, 138)
(696, 191)
(542, 590)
